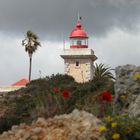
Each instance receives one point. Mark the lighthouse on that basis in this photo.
(78, 58)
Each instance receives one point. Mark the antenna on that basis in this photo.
(79, 17)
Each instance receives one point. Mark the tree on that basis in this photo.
(103, 72)
(31, 44)
(102, 75)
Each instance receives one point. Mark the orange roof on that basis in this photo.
(22, 82)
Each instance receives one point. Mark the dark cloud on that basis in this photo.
(51, 18)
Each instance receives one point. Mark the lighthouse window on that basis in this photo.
(78, 42)
(77, 64)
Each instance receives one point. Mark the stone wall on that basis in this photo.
(9, 88)
(81, 74)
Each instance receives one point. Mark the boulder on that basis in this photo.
(78, 125)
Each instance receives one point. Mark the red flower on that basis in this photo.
(55, 90)
(66, 94)
(106, 96)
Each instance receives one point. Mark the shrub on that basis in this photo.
(54, 95)
(121, 128)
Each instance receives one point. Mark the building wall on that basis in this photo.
(81, 74)
(9, 88)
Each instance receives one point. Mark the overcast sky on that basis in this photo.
(112, 25)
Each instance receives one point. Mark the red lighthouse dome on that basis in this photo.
(78, 32)
(78, 37)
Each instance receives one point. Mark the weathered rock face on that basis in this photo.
(127, 89)
(79, 125)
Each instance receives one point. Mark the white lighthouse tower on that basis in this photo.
(79, 59)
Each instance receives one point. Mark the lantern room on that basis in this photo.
(78, 37)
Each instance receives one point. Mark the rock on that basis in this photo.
(134, 108)
(41, 122)
(78, 125)
(34, 138)
(37, 130)
(20, 133)
(14, 127)
(127, 89)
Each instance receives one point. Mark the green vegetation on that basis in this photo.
(102, 72)
(121, 127)
(58, 94)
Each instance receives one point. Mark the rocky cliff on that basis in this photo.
(127, 89)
